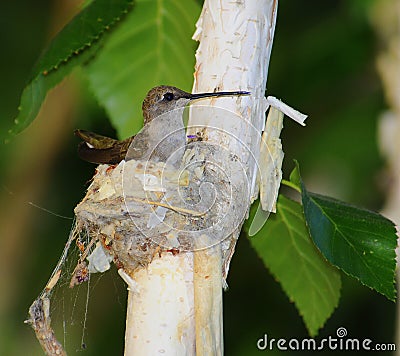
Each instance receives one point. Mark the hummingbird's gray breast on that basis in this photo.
(161, 140)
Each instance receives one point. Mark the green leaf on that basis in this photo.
(295, 176)
(358, 241)
(286, 249)
(152, 47)
(294, 181)
(76, 44)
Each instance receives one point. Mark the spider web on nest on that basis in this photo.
(62, 306)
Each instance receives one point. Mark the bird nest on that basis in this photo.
(136, 210)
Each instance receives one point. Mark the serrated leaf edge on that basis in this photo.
(78, 51)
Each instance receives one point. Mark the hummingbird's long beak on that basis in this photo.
(218, 93)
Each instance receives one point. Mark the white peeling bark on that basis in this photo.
(208, 301)
(160, 318)
(234, 51)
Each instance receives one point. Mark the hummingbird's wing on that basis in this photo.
(100, 149)
(95, 140)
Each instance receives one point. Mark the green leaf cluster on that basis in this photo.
(75, 45)
(122, 59)
(152, 47)
(305, 245)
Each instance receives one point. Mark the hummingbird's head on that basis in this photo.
(162, 99)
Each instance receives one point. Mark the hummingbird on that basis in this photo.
(160, 102)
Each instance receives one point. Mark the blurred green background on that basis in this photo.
(323, 63)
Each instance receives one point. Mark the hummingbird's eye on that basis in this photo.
(168, 96)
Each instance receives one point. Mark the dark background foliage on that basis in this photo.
(323, 63)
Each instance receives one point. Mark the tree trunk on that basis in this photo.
(235, 45)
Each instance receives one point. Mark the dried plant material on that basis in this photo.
(121, 202)
(80, 274)
(271, 157)
(53, 281)
(40, 321)
(99, 260)
(177, 209)
(287, 110)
